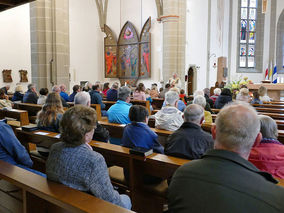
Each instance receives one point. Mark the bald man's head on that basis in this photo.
(237, 128)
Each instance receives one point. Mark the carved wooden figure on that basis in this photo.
(7, 77)
(23, 75)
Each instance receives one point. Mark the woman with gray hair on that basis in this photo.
(74, 163)
(268, 155)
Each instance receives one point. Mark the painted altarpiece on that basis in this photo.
(129, 59)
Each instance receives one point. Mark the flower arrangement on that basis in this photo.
(236, 85)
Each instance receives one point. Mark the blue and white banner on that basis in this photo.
(274, 76)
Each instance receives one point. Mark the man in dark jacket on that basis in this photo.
(224, 180)
(31, 95)
(56, 89)
(190, 141)
(112, 93)
(96, 97)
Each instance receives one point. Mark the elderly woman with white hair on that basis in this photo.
(180, 105)
(268, 154)
(217, 92)
(169, 117)
(201, 101)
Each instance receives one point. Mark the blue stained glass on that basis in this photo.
(252, 25)
(243, 37)
(251, 50)
(243, 25)
(243, 51)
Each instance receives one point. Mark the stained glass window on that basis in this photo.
(248, 15)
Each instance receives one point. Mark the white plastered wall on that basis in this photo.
(196, 38)
(15, 52)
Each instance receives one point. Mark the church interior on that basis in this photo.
(180, 70)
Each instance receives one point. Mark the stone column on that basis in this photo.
(174, 40)
(50, 42)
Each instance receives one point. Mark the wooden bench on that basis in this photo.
(157, 103)
(274, 102)
(32, 109)
(153, 196)
(278, 106)
(41, 195)
(145, 198)
(21, 117)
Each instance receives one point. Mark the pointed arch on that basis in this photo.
(145, 50)
(110, 53)
(128, 52)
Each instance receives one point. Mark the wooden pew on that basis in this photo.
(274, 102)
(32, 109)
(41, 195)
(154, 196)
(270, 110)
(144, 198)
(20, 115)
(116, 130)
(278, 106)
(157, 103)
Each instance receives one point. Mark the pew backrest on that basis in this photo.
(19, 115)
(42, 195)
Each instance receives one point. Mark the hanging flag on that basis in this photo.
(274, 76)
(270, 72)
(266, 73)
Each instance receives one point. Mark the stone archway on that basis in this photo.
(280, 44)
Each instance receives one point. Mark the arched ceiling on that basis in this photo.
(8, 4)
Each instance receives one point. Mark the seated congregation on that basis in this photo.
(233, 169)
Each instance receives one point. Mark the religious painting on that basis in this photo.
(110, 51)
(129, 58)
(23, 75)
(128, 52)
(145, 50)
(7, 77)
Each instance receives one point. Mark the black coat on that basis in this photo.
(18, 96)
(222, 100)
(222, 181)
(30, 97)
(189, 141)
